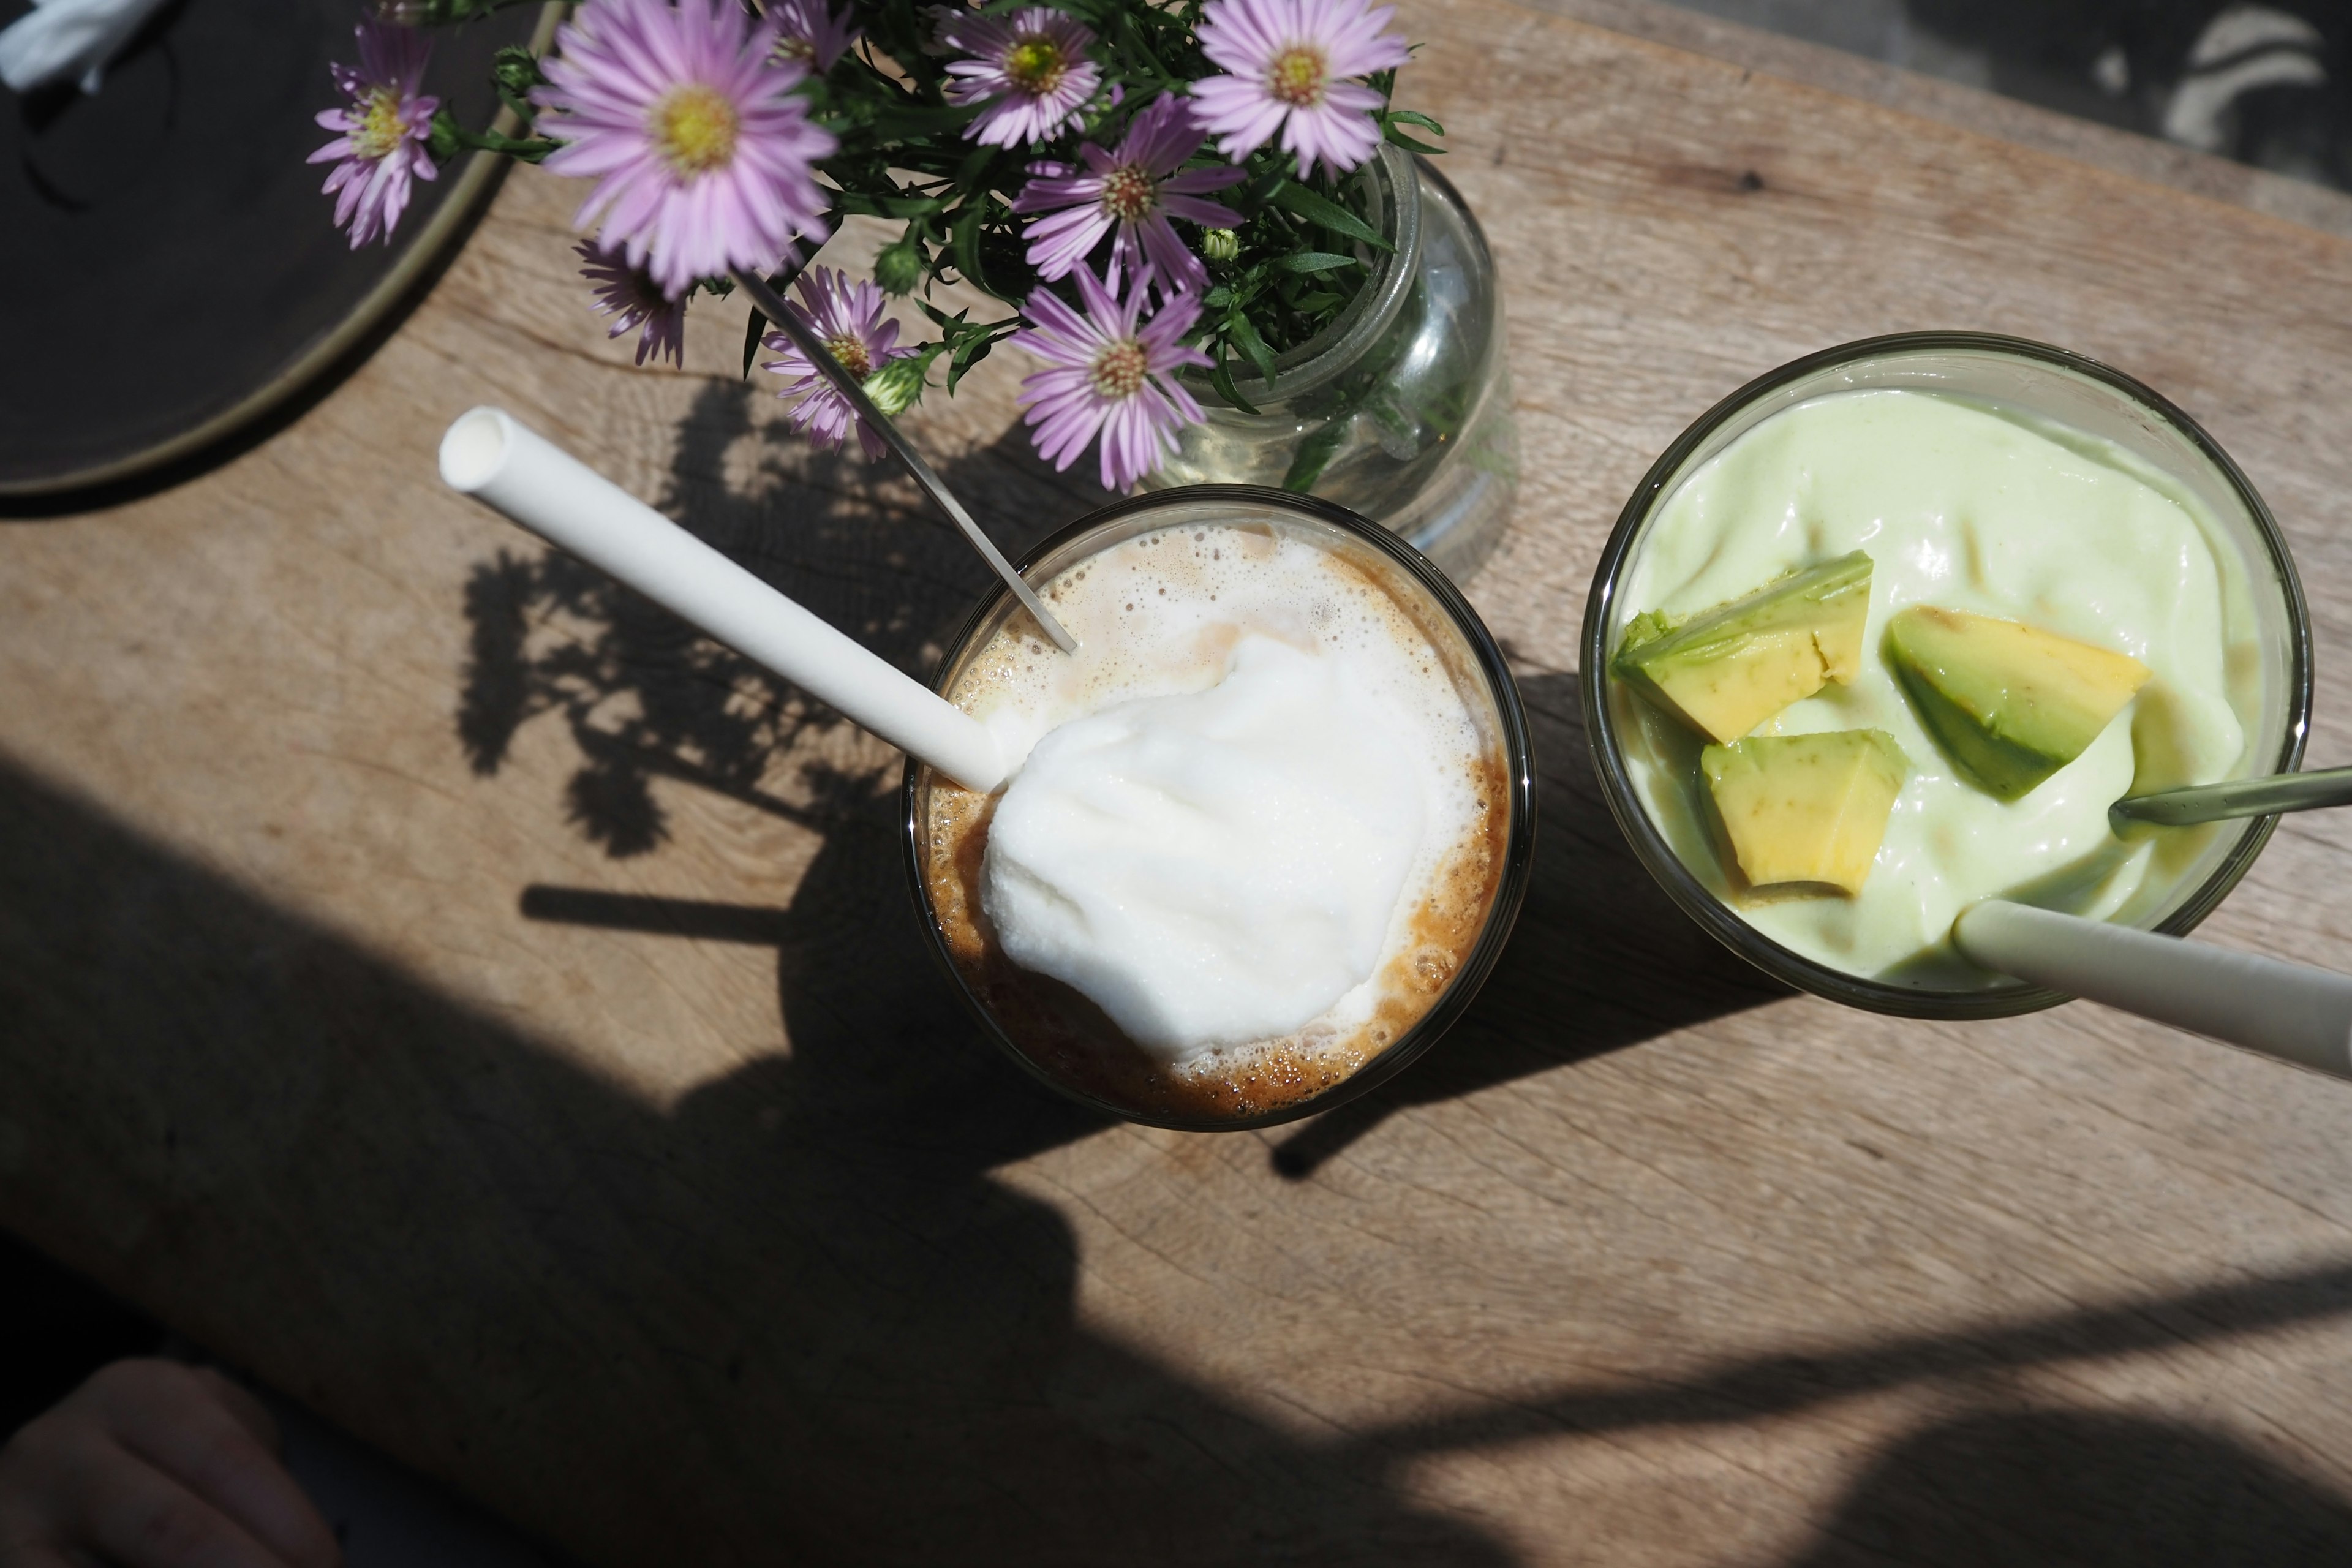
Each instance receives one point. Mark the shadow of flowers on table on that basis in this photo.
(645, 697)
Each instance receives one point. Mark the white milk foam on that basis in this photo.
(1235, 794)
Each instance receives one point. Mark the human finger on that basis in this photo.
(111, 1503)
(178, 1420)
(29, 1553)
(240, 1403)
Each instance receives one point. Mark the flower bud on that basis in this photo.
(895, 387)
(1221, 244)
(898, 266)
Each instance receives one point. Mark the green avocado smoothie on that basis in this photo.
(1968, 511)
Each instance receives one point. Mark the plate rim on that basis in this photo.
(468, 195)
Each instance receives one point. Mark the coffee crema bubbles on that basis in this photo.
(1260, 824)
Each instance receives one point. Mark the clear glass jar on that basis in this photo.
(1400, 410)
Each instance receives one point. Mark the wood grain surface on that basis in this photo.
(437, 982)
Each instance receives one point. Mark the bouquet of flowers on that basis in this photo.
(1148, 184)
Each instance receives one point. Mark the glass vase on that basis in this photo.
(1401, 409)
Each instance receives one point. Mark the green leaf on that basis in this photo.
(753, 331)
(914, 122)
(1314, 456)
(1220, 377)
(1244, 336)
(442, 13)
(911, 207)
(1314, 261)
(975, 163)
(1411, 144)
(1260, 191)
(966, 241)
(969, 353)
(1412, 117)
(1297, 199)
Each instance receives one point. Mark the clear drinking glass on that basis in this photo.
(1400, 410)
(1433, 603)
(2039, 380)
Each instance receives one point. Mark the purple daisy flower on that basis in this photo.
(688, 123)
(630, 296)
(1111, 373)
(1135, 190)
(1289, 62)
(1031, 71)
(847, 318)
(812, 32)
(380, 144)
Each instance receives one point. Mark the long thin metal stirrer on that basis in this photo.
(2239, 797)
(771, 306)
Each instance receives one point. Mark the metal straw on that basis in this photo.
(771, 305)
(2238, 797)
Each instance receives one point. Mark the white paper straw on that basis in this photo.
(489, 455)
(2285, 1010)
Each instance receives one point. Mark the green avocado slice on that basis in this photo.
(1806, 808)
(1726, 670)
(2011, 703)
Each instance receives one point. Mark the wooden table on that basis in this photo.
(447, 989)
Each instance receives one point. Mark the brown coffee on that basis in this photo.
(1187, 579)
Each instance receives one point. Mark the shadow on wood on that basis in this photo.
(793, 1312)
(2061, 1489)
(1762, 1387)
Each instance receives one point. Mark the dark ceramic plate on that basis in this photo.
(169, 269)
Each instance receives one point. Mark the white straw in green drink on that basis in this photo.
(2287, 1010)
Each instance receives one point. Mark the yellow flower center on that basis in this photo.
(1298, 76)
(851, 354)
(802, 49)
(693, 129)
(379, 128)
(1036, 65)
(1128, 194)
(1118, 371)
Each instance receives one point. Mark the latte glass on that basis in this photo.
(2039, 380)
(1428, 597)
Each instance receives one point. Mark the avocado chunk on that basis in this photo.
(1726, 670)
(2011, 702)
(1806, 808)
